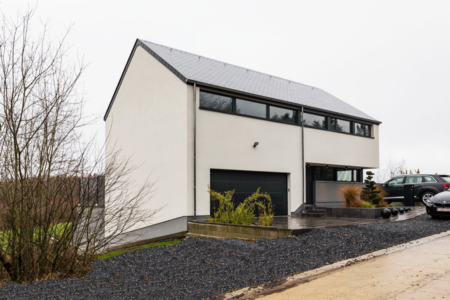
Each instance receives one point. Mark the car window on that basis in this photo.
(413, 179)
(446, 178)
(430, 179)
(396, 181)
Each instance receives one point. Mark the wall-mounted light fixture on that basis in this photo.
(255, 144)
(307, 165)
(346, 168)
(326, 166)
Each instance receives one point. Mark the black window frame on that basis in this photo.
(234, 109)
(369, 129)
(318, 173)
(297, 115)
(294, 111)
(327, 121)
(247, 115)
(215, 109)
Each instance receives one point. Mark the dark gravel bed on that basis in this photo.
(199, 268)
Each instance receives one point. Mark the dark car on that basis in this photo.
(439, 205)
(425, 186)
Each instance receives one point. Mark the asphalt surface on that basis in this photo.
(200, 268)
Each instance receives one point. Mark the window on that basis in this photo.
(356, 175)
(340, 125)
(362, 129)
(323, 173)
(256, 109)
(314, 121)
(250, 108)
(396, 181)
(446, 178)
(214, 101)
(282, 114)
(413, 179)
(332, 123)
(431, 179)
(344, 175)
(327, 174)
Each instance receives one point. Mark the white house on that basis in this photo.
(191, 121)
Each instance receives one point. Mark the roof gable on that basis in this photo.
(204, 71)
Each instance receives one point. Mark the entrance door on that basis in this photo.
(246, 183)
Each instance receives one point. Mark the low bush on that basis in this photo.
(369, 196)
(245, 212)
(351, 194)
(382, 193)
(367, 205)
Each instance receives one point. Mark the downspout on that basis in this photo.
(195, 151)
(303, 160)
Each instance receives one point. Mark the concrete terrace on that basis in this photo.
(300, 224)
(286, 226)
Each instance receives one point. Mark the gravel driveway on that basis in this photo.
(199, 268)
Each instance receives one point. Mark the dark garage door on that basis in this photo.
(246, 183)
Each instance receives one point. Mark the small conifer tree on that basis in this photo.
(370, 193)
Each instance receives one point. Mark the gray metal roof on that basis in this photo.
(195, 68)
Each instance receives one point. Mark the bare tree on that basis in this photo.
(53, 221)
(393, 168)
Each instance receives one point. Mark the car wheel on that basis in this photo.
(427, 196)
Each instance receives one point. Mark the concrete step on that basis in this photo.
(316, 210)
(313, 213)
(312, 207)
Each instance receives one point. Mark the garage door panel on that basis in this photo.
(246, 183)
(248, 186)
(227, 175)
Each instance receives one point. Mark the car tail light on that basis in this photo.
(446, 185)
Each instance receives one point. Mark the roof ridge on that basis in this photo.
(290, 81)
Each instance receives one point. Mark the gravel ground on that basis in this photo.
(199, 268)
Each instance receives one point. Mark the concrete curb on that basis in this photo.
(303, 277)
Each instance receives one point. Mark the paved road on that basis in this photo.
(421, 272)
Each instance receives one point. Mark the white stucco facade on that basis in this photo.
(148, 123)
(152, 121)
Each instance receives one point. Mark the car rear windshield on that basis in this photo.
(446, 178)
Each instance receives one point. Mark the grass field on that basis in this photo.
(55, 231)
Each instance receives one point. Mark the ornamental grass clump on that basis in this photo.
(351, 194)
(369, 196)
(245, 212)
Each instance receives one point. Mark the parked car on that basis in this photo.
(439, 205)
(425, 186)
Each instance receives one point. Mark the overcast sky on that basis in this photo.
(390, 59)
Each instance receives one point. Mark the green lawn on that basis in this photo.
(115, 253)
(56, 231)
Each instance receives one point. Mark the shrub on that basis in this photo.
(382, 194)
(351, 195)
(224, 213)
(371, 193)
(382, 204)
(367, 204)
(266, 219)
(245, 213)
